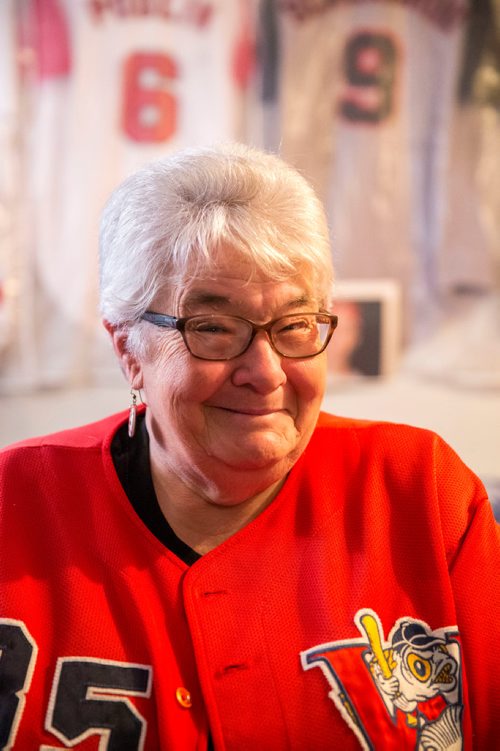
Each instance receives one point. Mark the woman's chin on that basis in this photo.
(248, 456)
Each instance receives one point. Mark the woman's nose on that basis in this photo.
(260, 366)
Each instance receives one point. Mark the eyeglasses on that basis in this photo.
(220, 337)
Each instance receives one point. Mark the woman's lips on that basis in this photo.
(256, 412)
(252, 411)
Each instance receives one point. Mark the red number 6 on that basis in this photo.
(149, 111)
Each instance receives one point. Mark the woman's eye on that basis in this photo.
(300, 324)
(212, 327)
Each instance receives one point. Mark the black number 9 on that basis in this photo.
(369, 68)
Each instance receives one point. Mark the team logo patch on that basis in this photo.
(403, 692)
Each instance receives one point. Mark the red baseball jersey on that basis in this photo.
(360, 609)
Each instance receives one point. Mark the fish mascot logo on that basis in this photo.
(403, 693)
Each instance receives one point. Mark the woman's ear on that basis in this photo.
(129, 363)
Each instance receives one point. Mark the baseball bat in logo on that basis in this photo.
(401, 693)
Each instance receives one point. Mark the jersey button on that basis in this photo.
(183, 697)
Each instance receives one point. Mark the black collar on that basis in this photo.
(131, 460)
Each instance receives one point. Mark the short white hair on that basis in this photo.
(165, 224)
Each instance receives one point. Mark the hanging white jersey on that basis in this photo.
(366, 99)
(469, 257)
(116, 84)
(9, 175)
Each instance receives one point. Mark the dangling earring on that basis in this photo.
(132, 415)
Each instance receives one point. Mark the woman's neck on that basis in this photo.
(204, 522)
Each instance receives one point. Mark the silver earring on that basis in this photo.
(132, 415)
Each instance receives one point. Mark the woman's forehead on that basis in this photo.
(247, 263)
(231, 291)
(230, 276)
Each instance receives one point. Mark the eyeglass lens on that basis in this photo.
(223, 337)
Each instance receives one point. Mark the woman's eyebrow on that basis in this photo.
(201, 297)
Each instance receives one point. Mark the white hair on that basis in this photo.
(167, 222)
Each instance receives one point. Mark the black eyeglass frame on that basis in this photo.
(171, 322)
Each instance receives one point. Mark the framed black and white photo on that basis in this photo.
(367, 341)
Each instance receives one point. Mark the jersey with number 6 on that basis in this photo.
(379, 551)
(114, 84)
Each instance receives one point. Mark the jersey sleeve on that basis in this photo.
(472, 538)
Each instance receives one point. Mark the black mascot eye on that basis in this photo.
(419, 667)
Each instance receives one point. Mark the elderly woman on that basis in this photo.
(225, 567)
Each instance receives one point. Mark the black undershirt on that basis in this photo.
(131, 460)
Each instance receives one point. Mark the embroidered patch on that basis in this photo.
(403, 692)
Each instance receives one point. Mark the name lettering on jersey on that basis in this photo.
(196, 12)
(447, 14)
(403, 692)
